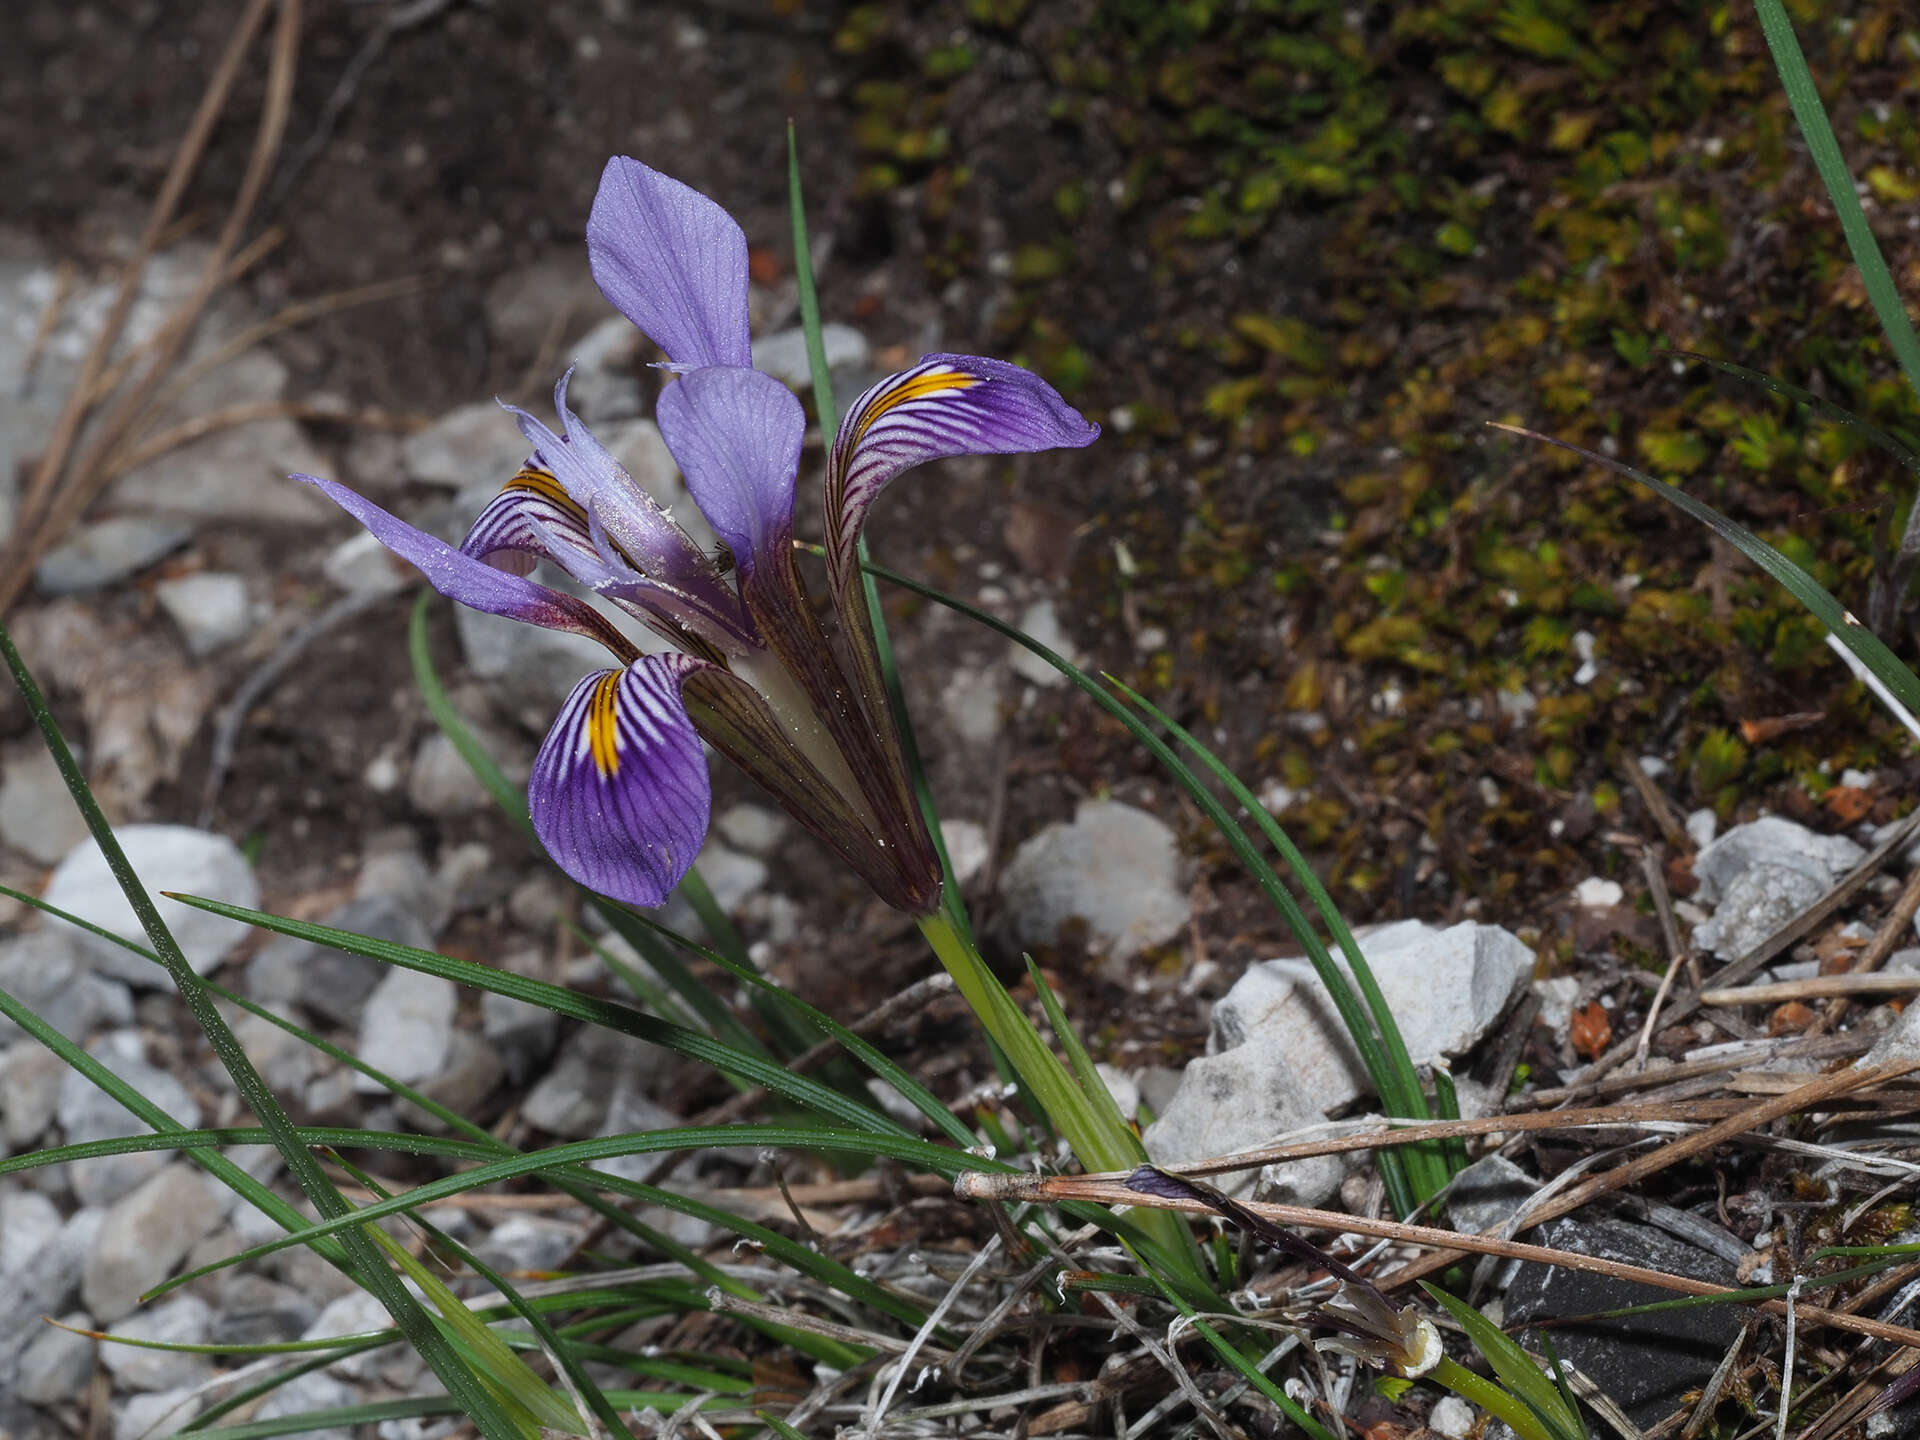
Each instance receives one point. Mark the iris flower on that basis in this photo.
(620, 794)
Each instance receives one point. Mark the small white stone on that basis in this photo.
(1653, 766)
(1114, 866)
(108, 550)
(211, 610)
(1595, 893)
(1276, 798)
(165, 857)
(1041, 623)
(966, 848)
(971, 701)
(1516, 705)
(1702, 825)
(752, 828)
(784, 355)
(406, 1028)
(1857, 779)
(37, 816)
(361, 565)
(1452, 1417)
(477, 443)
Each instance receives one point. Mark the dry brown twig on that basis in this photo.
(64, 485)
(1448, 1246)
(1737, 971)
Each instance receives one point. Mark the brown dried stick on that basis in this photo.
(1450, 1245)
(1056, 1189)
(58, 511)
(1796, 929)
(186, 159)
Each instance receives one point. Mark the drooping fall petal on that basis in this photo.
(472, 582)
(619, 793)
(946, 405)
(671, 261)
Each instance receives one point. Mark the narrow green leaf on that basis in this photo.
(505, 1373)
(1825, 150)
(368, 1268)
(1512, 1364)
(1866, 429)
(1885, 665)
(623, 1018)
(1479, 1390)
(903, 1084)
(1084, 1070)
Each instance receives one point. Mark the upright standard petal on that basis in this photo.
(471, 581)
(736, 434)
(619, 793)
(671, 261)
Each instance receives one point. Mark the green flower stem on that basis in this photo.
(1099, 1137)
(1477, 1390)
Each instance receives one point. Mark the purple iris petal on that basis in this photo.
(736, 434)
(946, 405)
(671, 261)
(471, 581)
(596, 481)
(531, 519)
(619, 793)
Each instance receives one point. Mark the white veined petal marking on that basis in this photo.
(921, 383)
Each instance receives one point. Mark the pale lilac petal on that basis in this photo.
(946, 405)
(736, 434)
(620, 793)
(711, 620)
(671, 261)
(471, 581)
(595, 481)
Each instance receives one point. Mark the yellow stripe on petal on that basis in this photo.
(535, 481)
(603, 725)
(917, 387)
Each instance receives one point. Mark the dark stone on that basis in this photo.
(1645, 1363)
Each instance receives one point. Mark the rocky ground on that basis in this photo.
(1263, 538)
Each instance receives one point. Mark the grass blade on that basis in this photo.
(756, 1069)
(1348, 1004)
(369, 1269)
(903, 1084)
(1885, 665)
(1865, 429)
(1811, 116)
(1512, 1364)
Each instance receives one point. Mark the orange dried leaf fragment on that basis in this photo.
(1590, 1031)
